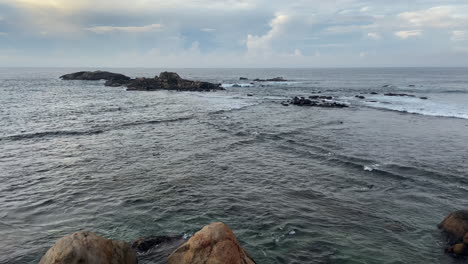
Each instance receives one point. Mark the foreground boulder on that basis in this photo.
(95, 76)
(89, 248)
(455, 225)
(214, 244)
(171, 81)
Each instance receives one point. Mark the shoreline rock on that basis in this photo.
(215, 243)
(455, 226)
(87, 247)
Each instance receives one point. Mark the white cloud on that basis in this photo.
(459, 35)
(365, 9)
(112, 29)
(208, 29)
(409, 34)
(262, 44)
(436, 17)
(374, 36)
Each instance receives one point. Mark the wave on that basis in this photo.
(414, 105)
(64, 133)
(231, 85)
(455, 92)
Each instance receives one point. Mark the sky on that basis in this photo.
(233, 33)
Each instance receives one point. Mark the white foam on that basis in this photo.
(231, 85)
(415, 105)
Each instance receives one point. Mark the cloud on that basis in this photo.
(436, 17)
(409, 34)
(459, 35)
(207, 29)
(262, 44)
(130, 29)
(374, 36)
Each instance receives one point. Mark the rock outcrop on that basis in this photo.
(170, 81)
(455, 225)
(165, 81)
(95, 76)
(276, 79)
(399, 94)
(316, 101)
(89, 248)
(214, 244)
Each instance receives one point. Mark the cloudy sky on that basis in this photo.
(233, 33)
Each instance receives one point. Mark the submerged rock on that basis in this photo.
(214, 244)
(95, 76)
(170, 81)
(243, 79)
(87, 247)
(156, 247)
(360, 97)
(423, 98)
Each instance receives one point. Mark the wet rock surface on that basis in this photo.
(315, 101)
(455, 226)
(95, 76)
(150, 249)
(215, 243)
(276, 79)
(87, 247)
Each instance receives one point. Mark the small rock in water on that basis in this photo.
(360, 96)
(243, 79)
(423, 98)
(249, 94)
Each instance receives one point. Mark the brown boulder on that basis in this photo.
(455, 225)
(214, 244)
(86, 247)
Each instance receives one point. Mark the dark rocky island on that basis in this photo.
(165, 81)
(277, 79)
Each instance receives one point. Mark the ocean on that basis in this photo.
(363, 184)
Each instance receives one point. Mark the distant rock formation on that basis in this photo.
(399, 94)
(455, 225)
(89, 248)
(165, 81)
(215, 243)
(277, 79)
(170, 81)
(95, 76)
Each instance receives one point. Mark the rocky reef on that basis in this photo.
(215, 243)
(455, 226)
(165, 81)
(315, 101)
